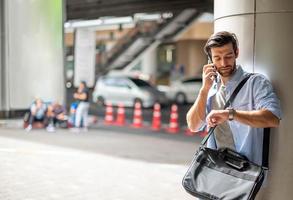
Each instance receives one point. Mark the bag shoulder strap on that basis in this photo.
(231, 99)
(266, 148)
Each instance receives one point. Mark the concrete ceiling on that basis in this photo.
(93, 9)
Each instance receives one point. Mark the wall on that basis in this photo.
(1, 52)
(190, 54)
(197, 31)
(33, 52)
(190, 43)
(264, 28)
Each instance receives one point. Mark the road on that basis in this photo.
(104, 163)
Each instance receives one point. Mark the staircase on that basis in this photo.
(123, 54)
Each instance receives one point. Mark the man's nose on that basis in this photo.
(223, 62)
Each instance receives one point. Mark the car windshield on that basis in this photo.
(140, 83)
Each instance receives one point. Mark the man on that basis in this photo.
(256, 106)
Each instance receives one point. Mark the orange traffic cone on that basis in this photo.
(156, 124)
(137, 116)
(120, 120)
(173, 124)
(109, 114)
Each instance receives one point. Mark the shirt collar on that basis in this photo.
(236, 77)
(233, 81)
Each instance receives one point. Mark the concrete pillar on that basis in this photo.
(32, 52)
(264, 29)
(1, 53)
(149, 63)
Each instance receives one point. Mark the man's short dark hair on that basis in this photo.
(220, 39)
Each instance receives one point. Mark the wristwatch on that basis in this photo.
(231, 113)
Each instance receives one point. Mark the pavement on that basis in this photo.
(105, 163)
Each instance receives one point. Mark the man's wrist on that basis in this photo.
(231, 114)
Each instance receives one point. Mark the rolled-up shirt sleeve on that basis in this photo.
(265, 97)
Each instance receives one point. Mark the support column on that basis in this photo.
(31, 52)
(1, 53)
(3, 71)
(149, 63)
(264, 29)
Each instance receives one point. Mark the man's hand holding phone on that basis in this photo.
(208, 76)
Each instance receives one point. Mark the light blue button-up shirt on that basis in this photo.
(256, 94)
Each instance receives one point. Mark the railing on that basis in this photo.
(140, 31)
(148, 31)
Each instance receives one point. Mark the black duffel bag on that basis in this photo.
(222, 174)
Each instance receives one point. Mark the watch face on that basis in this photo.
(231, 114)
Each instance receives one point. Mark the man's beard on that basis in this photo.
(227, 70)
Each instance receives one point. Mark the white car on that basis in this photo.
(126, 90)
(185, 90)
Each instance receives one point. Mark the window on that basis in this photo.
(140, 83)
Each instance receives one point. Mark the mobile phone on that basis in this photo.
(210, 62)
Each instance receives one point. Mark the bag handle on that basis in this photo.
(231, 99)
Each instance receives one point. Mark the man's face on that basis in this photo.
(224, 59)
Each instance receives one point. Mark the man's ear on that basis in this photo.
(236, 53)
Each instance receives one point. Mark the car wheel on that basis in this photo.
(180, 98)
(101, 101)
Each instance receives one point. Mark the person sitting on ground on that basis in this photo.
(56, 115)
(38, 112)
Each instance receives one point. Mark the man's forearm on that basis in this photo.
(196, 114)
(257, 118)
